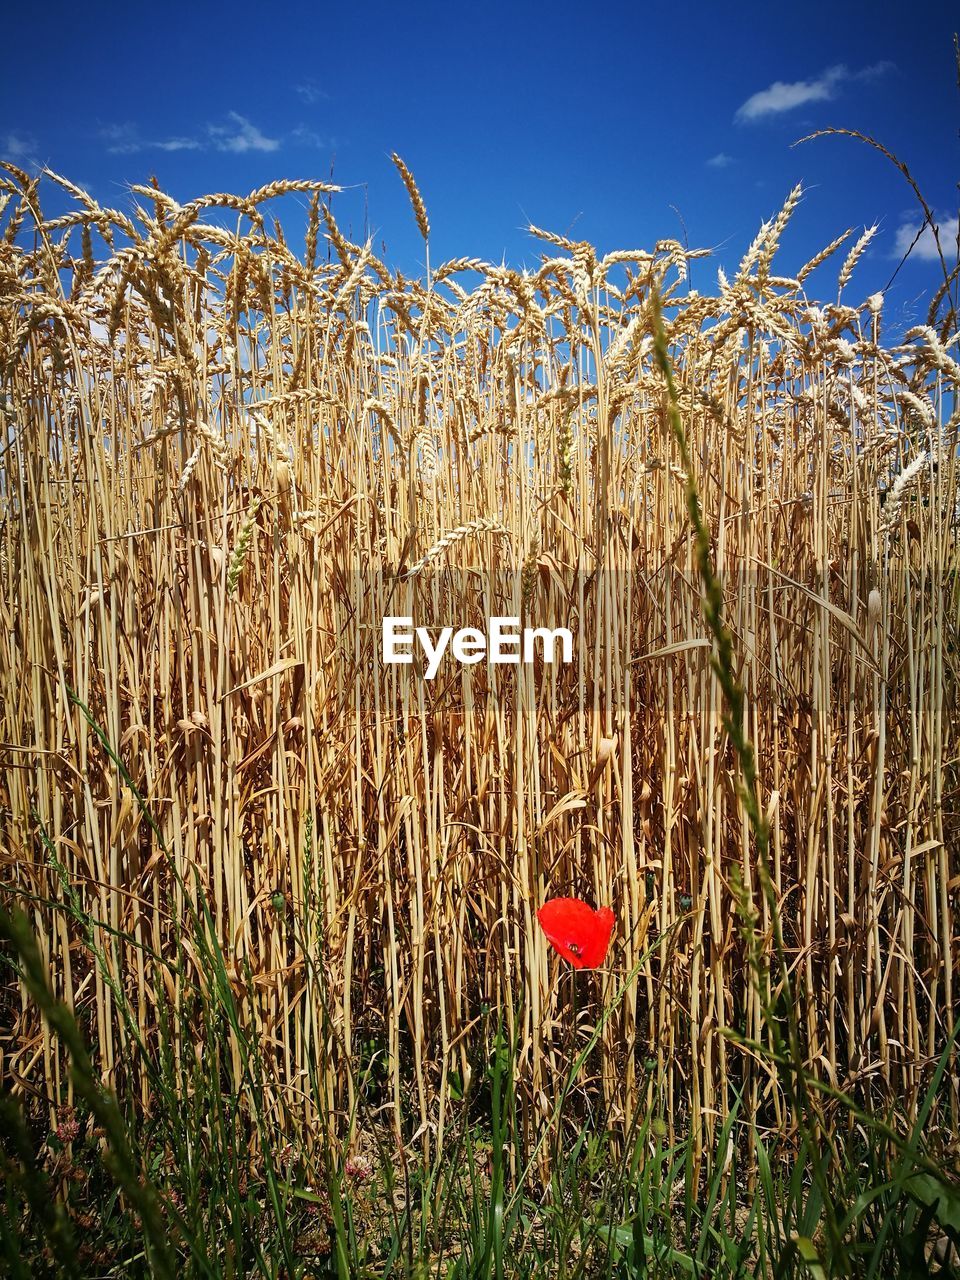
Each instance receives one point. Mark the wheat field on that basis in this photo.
(226, 458)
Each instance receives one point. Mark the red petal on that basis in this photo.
(580, 934)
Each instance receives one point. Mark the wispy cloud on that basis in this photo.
(179, 144)
(309, 91)
(925, 250)
(122, 139)
(784, 96)
(236, 133)
(126, 139)
(720, 161)
(240, 136)
(17, 146)
(307, 137)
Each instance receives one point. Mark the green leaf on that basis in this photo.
(618, 1239)
(809, 1256)
(941, 1197)
(623, 1242)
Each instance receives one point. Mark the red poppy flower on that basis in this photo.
(580, 934)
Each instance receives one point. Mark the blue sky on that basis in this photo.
(612, 123)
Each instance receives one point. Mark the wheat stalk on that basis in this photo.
(416, 199)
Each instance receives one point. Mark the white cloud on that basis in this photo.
(18, 145)
(179, 144)
(925, 250)
(241, 136)
(783, 96)
(720, 161)
(309, 137)
(121, 139)
(309, 91)
(875, 70)
(125, 140)
(238, 135)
